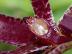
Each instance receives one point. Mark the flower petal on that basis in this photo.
(41, 8)
(16, 32)
(61, 48)
(65, 24)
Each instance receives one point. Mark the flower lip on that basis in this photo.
(38, 26)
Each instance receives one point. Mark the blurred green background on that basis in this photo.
(21, 8)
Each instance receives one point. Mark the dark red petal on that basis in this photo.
(60, 49)
(52, 35)
(30, 49)
(60, 39)
(41, 8)
(65, 24)
(14, 31)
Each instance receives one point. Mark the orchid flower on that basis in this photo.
(33, 33)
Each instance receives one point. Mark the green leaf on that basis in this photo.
(59, 7)
(68, 52)
(6, 47)
(18, 8)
